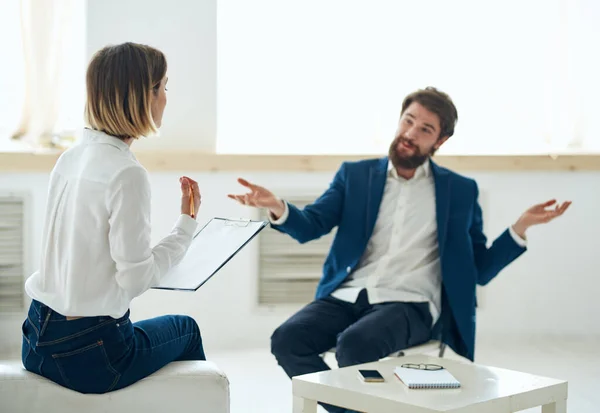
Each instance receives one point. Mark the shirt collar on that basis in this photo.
(91, 135)
(422, 171)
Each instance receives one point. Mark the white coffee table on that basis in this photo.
(483, 389)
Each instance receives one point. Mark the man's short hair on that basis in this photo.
(437, 102)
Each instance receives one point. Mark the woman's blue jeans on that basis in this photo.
(101, 354)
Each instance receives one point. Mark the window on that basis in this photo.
(328, 77)
(42, 77)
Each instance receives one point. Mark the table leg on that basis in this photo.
(302, 405)
(557, 407)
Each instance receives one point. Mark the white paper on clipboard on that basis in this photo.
(212, 247)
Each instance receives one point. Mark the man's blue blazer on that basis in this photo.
(351, 203)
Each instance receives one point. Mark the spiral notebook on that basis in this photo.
(426, 379)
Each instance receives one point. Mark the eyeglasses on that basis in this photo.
(428, 367)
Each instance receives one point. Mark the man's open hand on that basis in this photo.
(539, 214)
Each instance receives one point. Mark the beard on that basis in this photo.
(403, 161)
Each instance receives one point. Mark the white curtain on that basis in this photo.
(11, 70)
(329, 76)
(574, 89)
(585, 42)
(46, 29)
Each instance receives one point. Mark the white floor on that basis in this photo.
(258, 385)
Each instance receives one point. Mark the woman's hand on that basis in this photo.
(190, 196)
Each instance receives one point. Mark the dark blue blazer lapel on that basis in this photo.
(377, 178)
(442, 202)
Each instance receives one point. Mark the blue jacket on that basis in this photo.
(351, 203)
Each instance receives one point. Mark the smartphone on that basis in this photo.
(370, 376)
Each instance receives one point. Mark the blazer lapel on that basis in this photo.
(377, 178)
(442, 202)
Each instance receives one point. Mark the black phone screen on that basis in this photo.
(370, 374)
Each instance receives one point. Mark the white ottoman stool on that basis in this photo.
(181, 386)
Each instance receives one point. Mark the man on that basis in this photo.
(408, 253)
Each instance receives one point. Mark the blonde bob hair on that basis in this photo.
(120, 81)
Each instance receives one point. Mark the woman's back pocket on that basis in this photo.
(87, 369)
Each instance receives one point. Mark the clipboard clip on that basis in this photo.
(237, 222)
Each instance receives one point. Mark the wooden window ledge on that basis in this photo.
(205, 162)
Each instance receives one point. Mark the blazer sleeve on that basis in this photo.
(320, 217)
(504, 250)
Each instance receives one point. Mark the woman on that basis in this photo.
(96, 253)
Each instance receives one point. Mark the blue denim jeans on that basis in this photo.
(102, 354)
(360, 332)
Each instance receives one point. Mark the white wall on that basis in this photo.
(185, 30)
(552, 289)
(549, 290)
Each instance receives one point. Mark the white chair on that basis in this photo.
(182, 386)
(427, 347)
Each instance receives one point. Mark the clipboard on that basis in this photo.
(217, 242)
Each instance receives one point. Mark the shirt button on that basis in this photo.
(348, 270)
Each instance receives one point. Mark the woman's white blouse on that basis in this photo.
(96, 254)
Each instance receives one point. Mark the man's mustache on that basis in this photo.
(405, 141)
